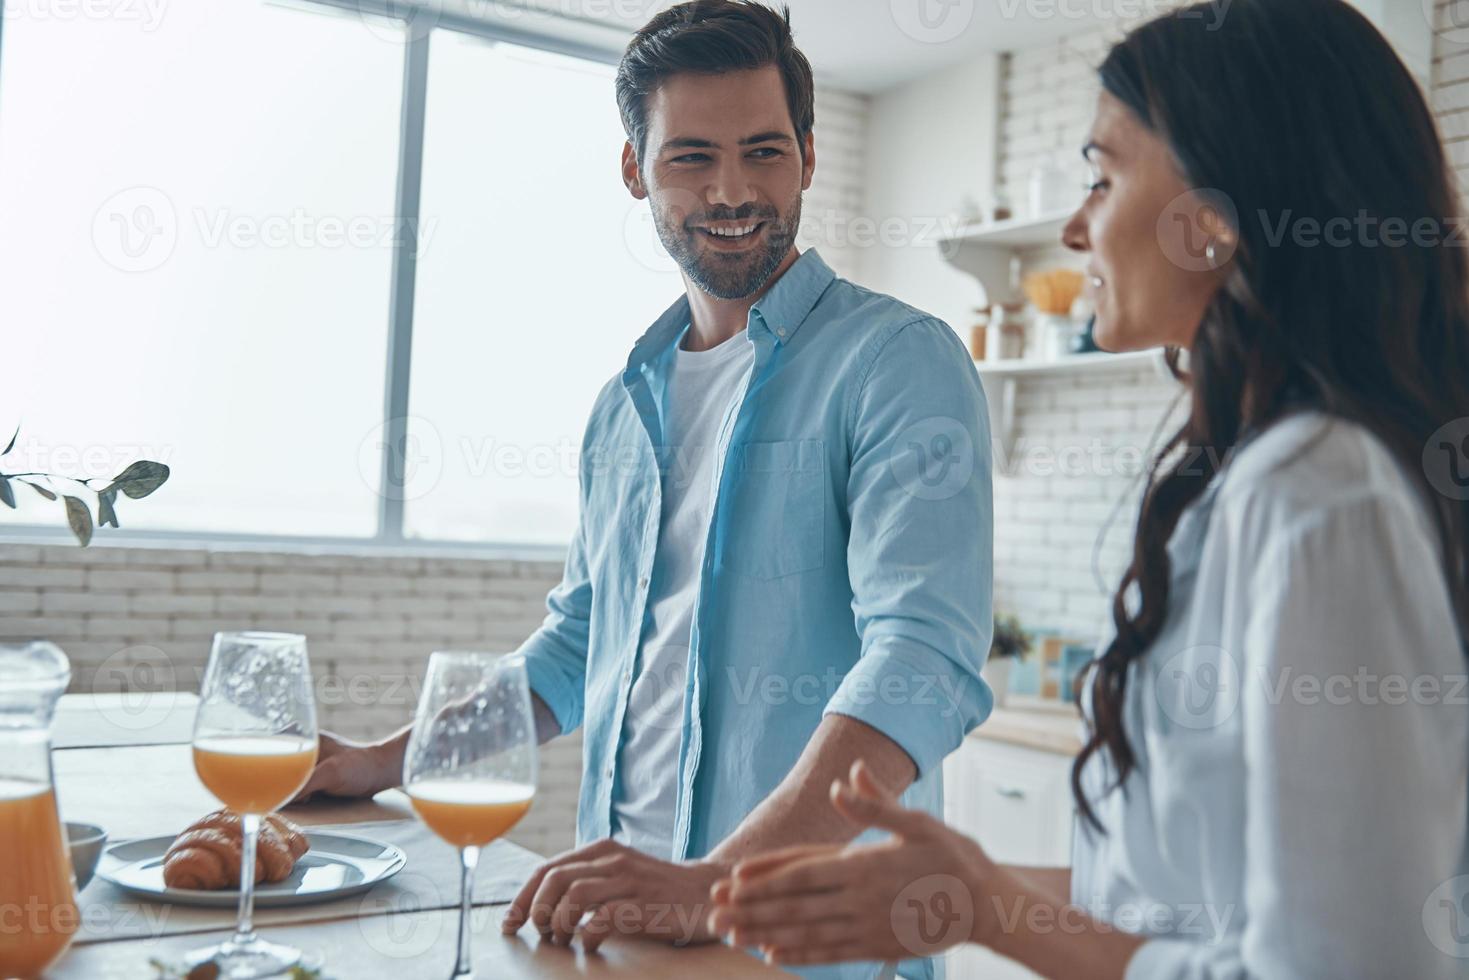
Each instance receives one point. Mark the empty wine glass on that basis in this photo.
(470, 769)
(254, 748)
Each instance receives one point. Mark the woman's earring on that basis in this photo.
(1211, 252)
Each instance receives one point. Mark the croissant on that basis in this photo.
(207, 854)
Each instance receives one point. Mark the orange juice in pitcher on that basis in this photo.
(38, 910)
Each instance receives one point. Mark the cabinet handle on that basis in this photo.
(1011, 792)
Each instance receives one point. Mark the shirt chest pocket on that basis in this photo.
(774, 521)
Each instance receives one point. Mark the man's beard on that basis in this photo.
(730, 275)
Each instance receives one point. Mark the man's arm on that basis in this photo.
(799, 811)
(920, 560)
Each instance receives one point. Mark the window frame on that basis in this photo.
(580, 38)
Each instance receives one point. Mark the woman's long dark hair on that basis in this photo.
(1294, 109)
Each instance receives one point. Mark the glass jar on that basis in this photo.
(38, 910)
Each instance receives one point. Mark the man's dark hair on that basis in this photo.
(711, 37)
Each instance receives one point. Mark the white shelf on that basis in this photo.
(1011, 234)
(1002, 378)
(986, 251)
(1075, 363)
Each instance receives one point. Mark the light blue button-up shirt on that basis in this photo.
(848, 564)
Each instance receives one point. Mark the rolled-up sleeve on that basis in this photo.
(556, 653)
(920, 553)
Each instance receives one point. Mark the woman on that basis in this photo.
(1275, 781)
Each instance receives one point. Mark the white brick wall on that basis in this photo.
(834, 201)
(1049, 526)
(1081, 440)
(1449, 92)
(143, 619)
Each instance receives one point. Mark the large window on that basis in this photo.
(200, 240)
(539, 273)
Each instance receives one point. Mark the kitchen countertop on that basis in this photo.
(1031, 723)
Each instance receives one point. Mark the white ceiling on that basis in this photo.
(870, 45)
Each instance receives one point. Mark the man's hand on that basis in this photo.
(625, 891)
(352, 769)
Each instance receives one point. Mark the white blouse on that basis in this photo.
(1301, 727)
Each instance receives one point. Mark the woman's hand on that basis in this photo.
(353, 770)
(913, 895)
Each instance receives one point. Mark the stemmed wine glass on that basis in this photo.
(470, 768)
(254, 748)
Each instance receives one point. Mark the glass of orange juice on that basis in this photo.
(470, 768)
(254, 747)
(37, 888)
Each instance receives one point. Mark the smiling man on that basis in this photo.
(784, 557)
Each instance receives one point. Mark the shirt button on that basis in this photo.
(780, 332)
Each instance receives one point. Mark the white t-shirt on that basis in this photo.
(701, 387)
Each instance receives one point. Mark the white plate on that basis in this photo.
(337, 865)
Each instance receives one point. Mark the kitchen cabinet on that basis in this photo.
(1016, 801)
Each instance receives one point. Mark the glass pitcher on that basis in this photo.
(38, 910)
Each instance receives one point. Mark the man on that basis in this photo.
(784, 558)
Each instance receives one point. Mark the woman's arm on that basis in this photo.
(926, 889)
(1030, 923)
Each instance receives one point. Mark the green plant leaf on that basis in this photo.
(105, 514)
(140, 479)
(7, 495)
(40, 489)
(80, 519)
(11, 444)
